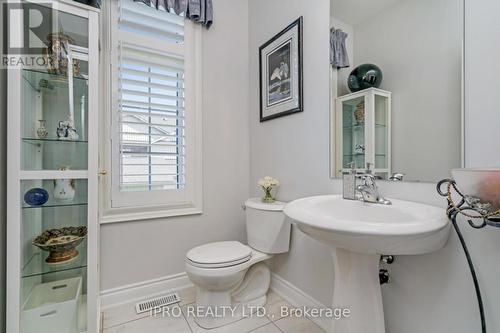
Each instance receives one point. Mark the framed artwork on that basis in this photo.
(281, 88)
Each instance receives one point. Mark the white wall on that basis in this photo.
(3, 221)
(420, 57)
(295, 148)
(482, 68)
(430, 293)
(138, 251)
(3, 198)
(3, 167)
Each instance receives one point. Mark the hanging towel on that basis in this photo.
(338, 50)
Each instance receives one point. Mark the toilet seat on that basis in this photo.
(219, 255)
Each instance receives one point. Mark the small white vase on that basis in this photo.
(64, 189)
(41, 131)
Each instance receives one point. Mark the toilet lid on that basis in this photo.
(220, 254)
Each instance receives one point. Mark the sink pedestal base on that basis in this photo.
(357, 288)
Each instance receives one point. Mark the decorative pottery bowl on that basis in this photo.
(365, 76)
(483, 184)
(61, 243)
(36, 197)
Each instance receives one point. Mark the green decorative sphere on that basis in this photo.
(365, 76)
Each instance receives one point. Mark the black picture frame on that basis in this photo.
(295, 75)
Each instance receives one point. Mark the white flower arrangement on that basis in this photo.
(268, 183)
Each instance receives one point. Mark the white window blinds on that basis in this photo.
(152, 131)
(151, 102)
(155, 120)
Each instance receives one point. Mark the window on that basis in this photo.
(150, 116)
(155, 121)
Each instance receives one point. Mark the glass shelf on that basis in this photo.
(54, 204)
(34, 75)
(52, 154)
(40, 141)
(80, 198)
(362, 154)
(47, 103)
(38, 267)
(362, 126)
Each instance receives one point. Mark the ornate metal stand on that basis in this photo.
(474, 211)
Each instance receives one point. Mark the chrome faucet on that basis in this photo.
(368, 190)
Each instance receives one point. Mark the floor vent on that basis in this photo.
(157, 302)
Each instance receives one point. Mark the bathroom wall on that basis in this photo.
(3, 158)
(295, 148)
(3, 199)
(429, 293)
(482, 148)
(420, 56)
(139, 251)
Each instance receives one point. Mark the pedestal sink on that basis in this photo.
(358, 233)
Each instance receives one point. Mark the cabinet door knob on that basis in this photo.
(103, 173)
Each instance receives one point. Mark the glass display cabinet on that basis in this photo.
(52, 225)
(363, 127)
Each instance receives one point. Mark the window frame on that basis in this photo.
(119, 206)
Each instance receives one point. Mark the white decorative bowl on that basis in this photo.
(480, 183)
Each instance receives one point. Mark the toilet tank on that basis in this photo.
(268, 229)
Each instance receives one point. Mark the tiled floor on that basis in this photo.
(123, 319)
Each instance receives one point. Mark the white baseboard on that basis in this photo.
(298, 298)
(141, 290)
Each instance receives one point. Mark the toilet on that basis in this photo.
(232, 278)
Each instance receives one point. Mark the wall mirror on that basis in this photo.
(397, 87)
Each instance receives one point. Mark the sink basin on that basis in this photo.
(358, 233)
(398, 229)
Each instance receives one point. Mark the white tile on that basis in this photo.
(241, 326)
(298, 325)
(274, 305)
(269, 328)
(187, 296)
(121, 314)
(158, 324)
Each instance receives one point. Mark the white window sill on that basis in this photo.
(148, 215)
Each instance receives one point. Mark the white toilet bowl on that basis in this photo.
(231, 278)
(233, 287)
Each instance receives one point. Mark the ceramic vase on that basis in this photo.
(41, 131)
(64, 189)
(365, 76)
